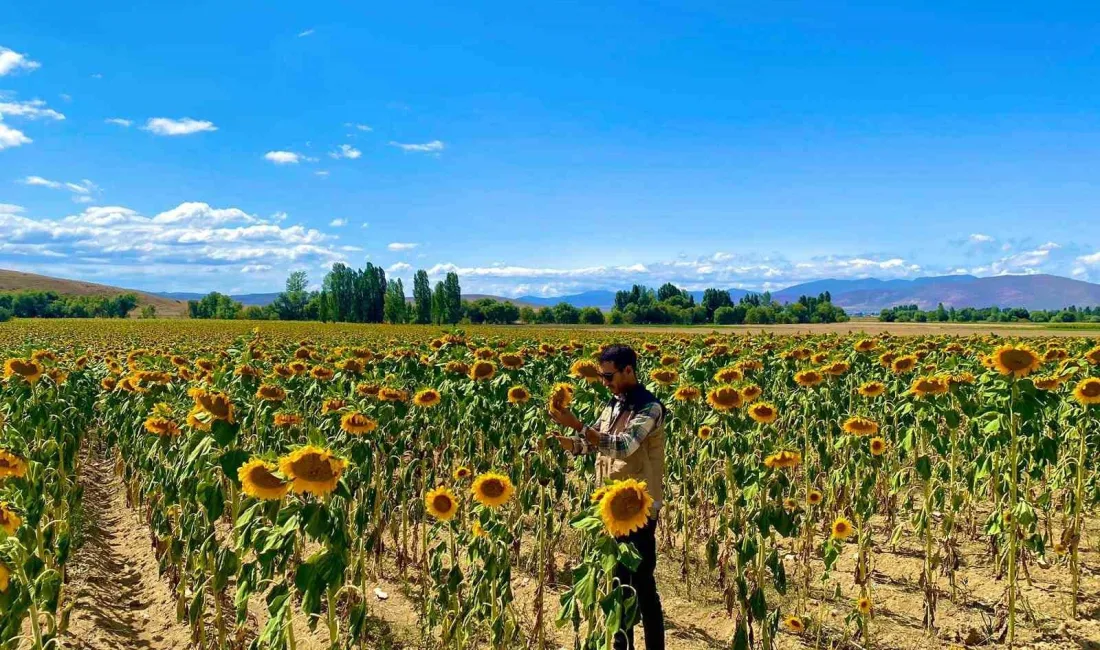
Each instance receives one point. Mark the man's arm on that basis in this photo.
(626, 442)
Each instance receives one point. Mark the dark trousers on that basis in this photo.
(645, 585)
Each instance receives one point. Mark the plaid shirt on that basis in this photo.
(620, 445)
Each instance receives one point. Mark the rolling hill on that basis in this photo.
(19, 281)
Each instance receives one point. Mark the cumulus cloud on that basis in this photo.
(119, 121)
(255, 268)
(10, 61)
(401, 246)
(979, 238)
(399, 268)
(11, 138)
(34, 109)
(346, 151)
(283, 157)
(183, 126)
(338, 223)
(435, 146)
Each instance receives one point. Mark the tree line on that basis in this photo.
(941, 314)
(50, 304)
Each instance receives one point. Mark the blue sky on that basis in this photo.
(548, 148)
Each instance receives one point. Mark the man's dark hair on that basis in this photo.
(620, 355)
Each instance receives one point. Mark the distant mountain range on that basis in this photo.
(870, 295)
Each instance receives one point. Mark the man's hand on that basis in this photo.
(567, 443)
(566, 418)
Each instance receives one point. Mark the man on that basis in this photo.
(630, 440)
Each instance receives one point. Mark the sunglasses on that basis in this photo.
(608, 376)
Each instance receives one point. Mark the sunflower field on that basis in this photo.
(284, 471)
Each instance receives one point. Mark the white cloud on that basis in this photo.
(283, 157)
(279, 217)
(361, 127)
(338, 223)
(10, 208)
(398, 268)
(255, 268)
(119, 121)
(321, 172)
(10, 138)
(400, 246)
(81, 190)
(32, 110)
(346, 151)
(10, 61)
(435, 146)
(183, 126)
(979, 238)
(42, 182)
(307, 32)
(1092, 259)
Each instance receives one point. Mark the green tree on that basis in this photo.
(422, 297)
(291, 303)
(396, 308)
(453, 295)
(592, 316)
(439, 304)
(527, 315)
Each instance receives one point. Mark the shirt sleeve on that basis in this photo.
(626, 442)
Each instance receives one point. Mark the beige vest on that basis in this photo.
(646, 464)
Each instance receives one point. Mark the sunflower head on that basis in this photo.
(725, 398)
(1047, 382)
(218, 405)
(511, 360)
(462, 472)
(492, 489)
(842, 528)
(389, 394)
(312, 469)
(794, 624)
(863, 606)
(624, 507)
(357, 424)
(928, 386)
(751, 392)
(427, 397)
(258, 480)
(664, 376)
(763, 412)
(864, 345)
(878, 446)
(28, 370)
(561, 396)
(518, 395)
(1016, 360)
(686, 393)
(585, 369)
(161, 426)
(808, 378)
(441, 503)
(1093, 356)
(814, 497)
(783, 460)
(860, 426)
(705, 432)
(270, 393)
(836, 369)
(482, 370)
(11, 465)
(10, 521)
(1087, 391)
(728, 375)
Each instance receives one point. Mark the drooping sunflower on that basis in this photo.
(161, 426)
(842, 528)
(312, 469)
(10, 521)
(1087, 391)
(561, 396)
(357, 424)
(462, 472)
(725, 398)
(728, 375)
(108, 383)
(27, 369)
(1016, 360)
(863, 606)
(286, 419)
(751, 392)
(686, 393)
(389, 394)
(669, 360)
(836, 369)
(492, 489)
(624, 507)
(218, 405)
(518, 395)
(928, 386)
(808, 378)
(10, 464)
(763, 412)
(783, 460)
(333, 404)
(427, 398)
(864, 345)
(814, 497)
(1047, 382)
(960, 379)
(664, 376)
(270, 393)
(511, 360)
(794, 624)
(441, 503)
(872, 389)
(860, 426)
(258, 480)
(1093, 356)
(878, 446)
(199, 419)
(585, 369)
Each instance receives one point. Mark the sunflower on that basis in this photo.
(725, 398)
(872, 389)
(333, 404)
(808, 378)
(928, 386)
(258, 480)
(903, 364)
(860, 426)
(1047, 382)
(270, 393)
(10, 464)
(5, 577)
(585, 369)
(842, 528)
(518, 395)
(441, 503)
(751, 392)
(625, 507)
(511, 360)
(728, 375)
(670, 360)
(790, 504)
(836, 369)
(297, 367)
(282, 370)
(462, 472)
(387, 394)
(482, 370)
(351, 366)
(218, 405)
(763, 412)
(427, 398)
(561, 396)
(108, 383)
(686, 393)
(664, 376)
(1016, 360)
(1087, 391)
(285, 420)
(814, 497)
(492, 489)
(357, 424)
(477, 531)
(864, 345)
(783, 459)
(198, 419)
(705, 432)
(863, 606)
(9, 521)
(161, 426)
(959, 379)
(794, 624)
(878, 446)
(26, 369)
(312, 469)
(1093, 356)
